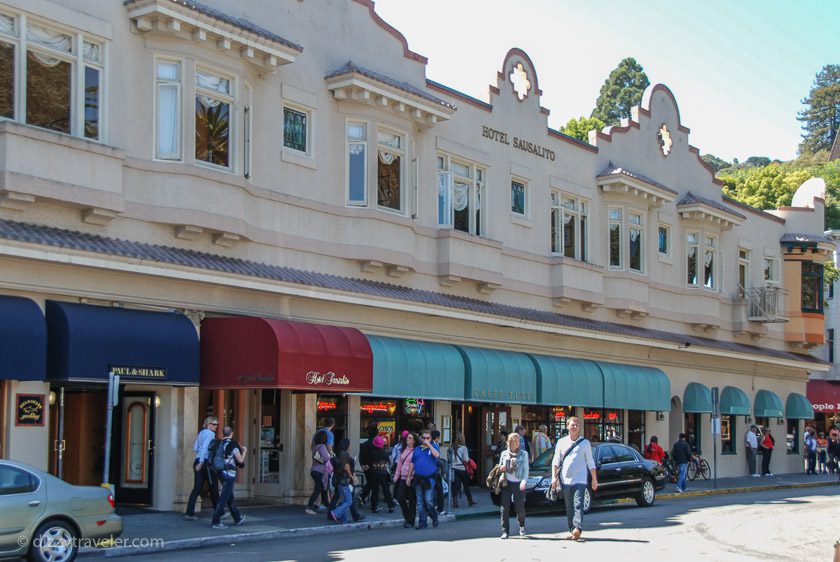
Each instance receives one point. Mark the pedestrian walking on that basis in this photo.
(542, 442)
(320, 470)
(344, 476)
(365, 450)
(441, 470)
(378, 476)
(459, 466)
(402, 480)
(681, 453)
(524, 444)
(424, 465)
(751, 448)
(767, 445)
(654, 451)
(342, 446)
(202, 471)
(810, 442)
(822, 454)
(234, 459)
(329, 423)
(572, 459)
(515, 466)
(834, 450)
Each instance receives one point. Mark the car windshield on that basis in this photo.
(544, 459)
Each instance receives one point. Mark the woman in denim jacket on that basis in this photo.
(514, 464)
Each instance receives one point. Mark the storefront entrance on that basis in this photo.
(494, 429)
(134, 448)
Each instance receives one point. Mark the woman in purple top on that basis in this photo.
(318, 472)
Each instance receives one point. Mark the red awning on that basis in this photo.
(824, 395)
(245, 352)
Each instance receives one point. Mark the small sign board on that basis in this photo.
(30, 409)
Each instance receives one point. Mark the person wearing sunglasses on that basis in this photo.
(201, 466)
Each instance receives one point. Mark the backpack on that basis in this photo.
(219, 460)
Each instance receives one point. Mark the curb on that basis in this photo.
(201, 542)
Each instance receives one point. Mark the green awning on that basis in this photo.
(697, 399)
(767, 405)
(410, 369)
(635, 388)
(498, 376)
(797, 407)
(564, 381)
(734, 402)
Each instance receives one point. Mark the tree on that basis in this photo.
(821, 117)
(579, 128)
(715, 163)
(622, 90)
(758, 161)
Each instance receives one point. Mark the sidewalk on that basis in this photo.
(171, 532)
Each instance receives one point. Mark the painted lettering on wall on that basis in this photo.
(502, 395)
(523, 145)
(329, 378)
(144, 372)
(827, 407)
(254, 378)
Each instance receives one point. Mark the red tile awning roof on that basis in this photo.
(245, 352)
(824, 395)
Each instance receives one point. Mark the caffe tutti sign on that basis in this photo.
(317, 378)
(520, 144)
(502, 395)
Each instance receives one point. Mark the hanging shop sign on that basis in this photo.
(30, 409)
(139, 372)
(523, 145)
(379, 407)
(414, 406)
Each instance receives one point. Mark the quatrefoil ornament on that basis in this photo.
(519, 79)
(665, 141)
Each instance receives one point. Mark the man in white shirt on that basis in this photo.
(572, 460)
(751, 443)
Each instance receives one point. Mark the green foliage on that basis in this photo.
(773, 186)
(622, 90)
(821, 118)
(758, 160)
(579, 128)
(830, 273)
(715, 163)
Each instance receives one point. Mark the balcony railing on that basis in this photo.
(765, 304)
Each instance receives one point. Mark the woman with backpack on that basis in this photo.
(460, 461)
(403, 490)
(319, 473)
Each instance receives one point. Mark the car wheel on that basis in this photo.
(54, 541)
(647, 495)
(587, 499)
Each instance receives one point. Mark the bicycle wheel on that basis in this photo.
(705, 469)
(691, 473)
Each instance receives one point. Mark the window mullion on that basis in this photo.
(77, 100)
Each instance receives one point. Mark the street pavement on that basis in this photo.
(170, 532)
(788, 525)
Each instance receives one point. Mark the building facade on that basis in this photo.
(294, 211)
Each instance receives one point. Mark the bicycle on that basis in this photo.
(698, 466)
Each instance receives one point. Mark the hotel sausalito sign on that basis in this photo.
(523, 145)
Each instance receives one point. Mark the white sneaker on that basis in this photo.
(504, 536)
(756, 475)
(770, 474)
(309, 511)
(522, 531)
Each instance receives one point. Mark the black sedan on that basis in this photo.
(622, 473)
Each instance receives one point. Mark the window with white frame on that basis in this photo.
(356, 163)
(692, 242)
(51, 77)
(635, 237)
(519, 197)
(389, 170)
(168, 110)
(743, 269)
(296, 127)
(709, 261)
(701, 260)
(771, 270)
(214, 98)
(616, 220)
(569, 226)
(460, 194)
(664, 240)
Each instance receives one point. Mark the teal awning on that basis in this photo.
(734, 402)
(409, 369)
(797, 407)
(635, 388)
(767, 405)
(498, 376)
(565, 381)
(697, 399)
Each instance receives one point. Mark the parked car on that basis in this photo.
(42, 517)
(622, 473)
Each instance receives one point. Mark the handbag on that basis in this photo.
(316, 456)
(469, 465)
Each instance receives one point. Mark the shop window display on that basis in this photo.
(335, 406)
(603, 425)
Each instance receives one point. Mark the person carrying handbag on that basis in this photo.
(461, 463)
(515, 466)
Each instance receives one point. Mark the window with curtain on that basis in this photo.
(62, 82)
(295, 129)
(664, 240)
(168, 107)
(356, 163)
(460, 194)
(518, 197)
(389, 168)
(569, 223)
(213, 113)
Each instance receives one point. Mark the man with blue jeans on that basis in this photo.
(424, 465)
(681, 453)
(570, 465)
(234, 455)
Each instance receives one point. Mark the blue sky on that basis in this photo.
(739, 69)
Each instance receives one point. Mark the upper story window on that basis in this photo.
(664, 240)
(626, 239)
(743, 269)
(519, 197)
(635, 231)
(701, 260)
(812, 282)
(615, 215)
(356, 163)
(771, 270)
(829, 343)
(51, 77)
(213, 113)
(460, 194)
(569, 226)
(389, 170)
(296, 129)
(168, 109)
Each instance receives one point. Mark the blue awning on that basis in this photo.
(85, 342)
(797, 407)
(565, 381)
(412, 369)
(23, 340)
(697, 399)
(635, 388)
(499, 376)
(767, 405)
(734, 402)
